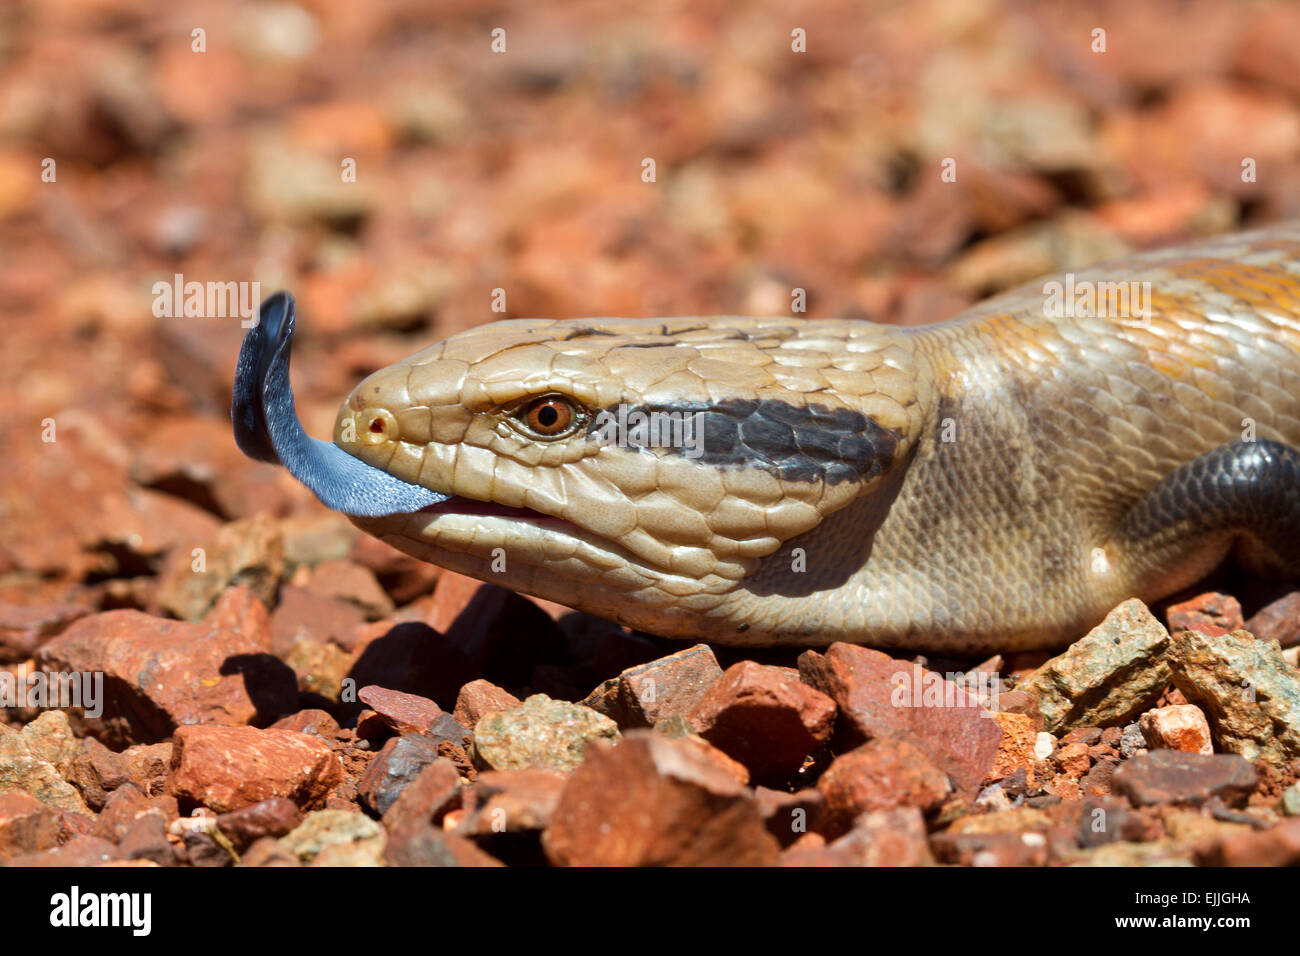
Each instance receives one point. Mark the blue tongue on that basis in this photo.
(267, 428)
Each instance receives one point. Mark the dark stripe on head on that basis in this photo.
(792, 442)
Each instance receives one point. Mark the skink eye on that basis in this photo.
(549, 416)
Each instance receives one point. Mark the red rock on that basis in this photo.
(425, 845)
(875, 695)
(480, 697)
(404, 713)
(1016, 751)
(238, 609)
(394, 768)
(1266, 52)
(1021, 702)
(991, 849)
(653, 801)
(1278, 621)
(24, 627)
(1210, 613)
(764, 717)
(96, 772)
(435, 791)
(146, 839)
(312, 721)
(302, 615)
(1073, 759)
(26, 825)
(404, 578)
(512, 801)
(1277, 846)
(881, 774)
(79, 851)
(268, 851)
(809, 856)
(225, 768)
(894, 837)
(125, 804)
(345, 581)
(647, 693)
(148, 765)
(160, 675)
(1170, 776)
(273, 817)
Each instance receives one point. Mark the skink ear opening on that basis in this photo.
(267, 429)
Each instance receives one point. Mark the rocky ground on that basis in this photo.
(279, 690)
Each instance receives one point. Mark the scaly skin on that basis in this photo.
(1008, 495)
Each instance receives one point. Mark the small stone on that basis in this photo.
(20, 769)
(268, 851)
(643, 695)
(79, 851)
(405, 713)
(1072, 759)
(346, 581)
(1278, 621)
(1109, 676)
(126, 804)
(147, 766)
(248, 553)
(1017, 749)
(1132, 741)
(540, 733)
(26, 825)
(160, 675)
(435, 791)
(652, 801)
(1171, 776)
(1210, 613)
(96, 772)
(1181, 727)
(991, 849)
(1289, 803)
(1249, 693)
(330, 828)
(146, 839)
(479, 698)
(1277, 846)
(516, 801)
(765, 717)
(894, 837)
(1044, 745)
(394, 768)
(881, 774)
(226, 768)
(273, 817)
(424, 846)
(316, 722)
(882, 697)
(24, 627)
(1021, 702)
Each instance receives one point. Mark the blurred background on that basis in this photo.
(210, 139)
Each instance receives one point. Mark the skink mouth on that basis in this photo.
(267, 428)
(458, 505)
